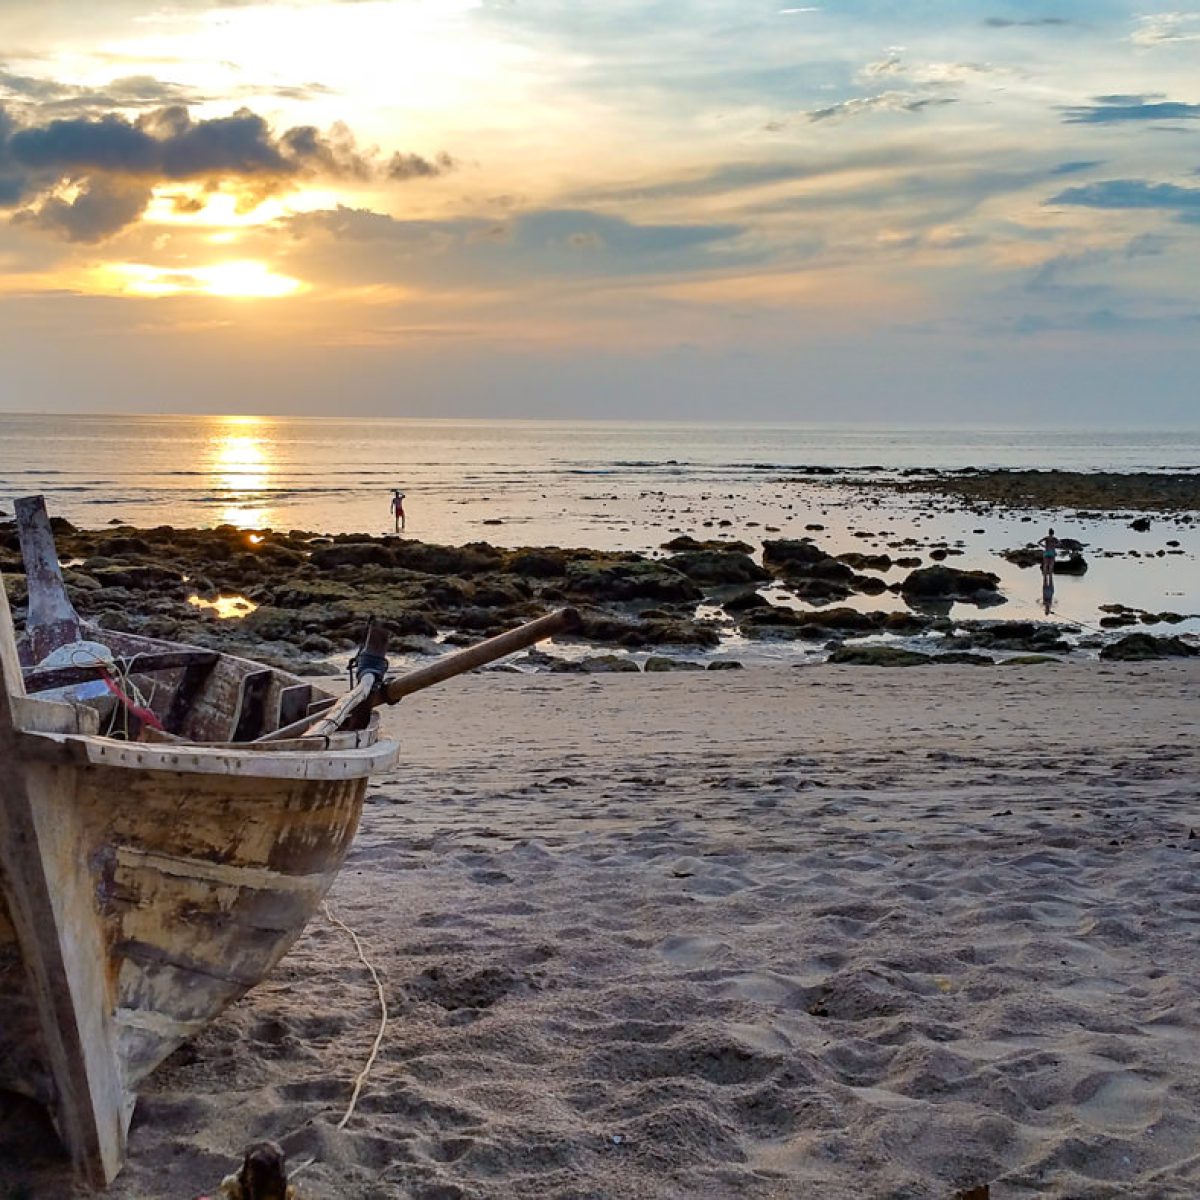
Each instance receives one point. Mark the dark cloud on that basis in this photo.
(413, 166)
(101, 208)
(1005, 23)
(1134, 194)
(1075, 166)
(1113, 109)
(111, 160)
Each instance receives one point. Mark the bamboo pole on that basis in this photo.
(564, 620)
(331, 720)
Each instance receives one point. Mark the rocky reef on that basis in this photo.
(1097, 491)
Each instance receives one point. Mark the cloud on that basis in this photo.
(110, 161)
(1158, 29)
(1114, 109)
(100, 209)
(930, 74)
(884, 102)
(1075, 166)
(1005, 23)
(1134, 194)
(413, 166)
(132, 91)
(538, 244)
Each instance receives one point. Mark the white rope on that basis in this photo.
(383, 1014)
(361, 1078)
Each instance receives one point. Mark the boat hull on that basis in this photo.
(199, 882)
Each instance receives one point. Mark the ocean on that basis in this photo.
(607, 485)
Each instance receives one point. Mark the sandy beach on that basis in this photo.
(828, 932)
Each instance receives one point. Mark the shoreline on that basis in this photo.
(837, 931)
(735, 593)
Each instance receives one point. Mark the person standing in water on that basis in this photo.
(398, 508)
(1049, 545)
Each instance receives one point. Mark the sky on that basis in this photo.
(933, 211)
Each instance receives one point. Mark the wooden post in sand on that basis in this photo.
(50, 894)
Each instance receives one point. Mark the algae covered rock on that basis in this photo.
(878, 656)
(1143, 647)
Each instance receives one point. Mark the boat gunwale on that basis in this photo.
(318, 762)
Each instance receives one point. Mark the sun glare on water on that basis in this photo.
(240, 461)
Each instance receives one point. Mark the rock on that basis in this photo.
(1028, 660)
(604, 664)
(1073, 564)
(949, 583)
(1140, 524)
(877, 656)
(353, 554)
(544, 563)
(472, 559)
(1023, 556)
(725, 664)
(745, 602)
(658, 662)
(717, 567)
(792, 552)
(684, 543)
(615, 581)
(1142, 647)
(869, 562)
(906, 622)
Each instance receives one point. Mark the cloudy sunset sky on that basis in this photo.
(937, 210)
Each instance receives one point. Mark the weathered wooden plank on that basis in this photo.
(294, 702)
(50, 900)
(251, 709)
(52, 620)
(58, 677)
(317, 763)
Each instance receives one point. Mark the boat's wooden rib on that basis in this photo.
(44, 862)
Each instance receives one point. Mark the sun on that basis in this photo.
(244, 279)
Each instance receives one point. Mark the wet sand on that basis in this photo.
(829, 932)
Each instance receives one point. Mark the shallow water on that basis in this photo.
(611, 485)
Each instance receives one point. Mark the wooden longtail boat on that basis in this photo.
(157, 859)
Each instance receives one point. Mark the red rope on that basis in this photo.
(143, 714)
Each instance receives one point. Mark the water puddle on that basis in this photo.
(225, 607)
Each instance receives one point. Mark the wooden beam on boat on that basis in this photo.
(141, 664)
(52, 620)
(294, 702)
(341, 711)
(250, 713)
(195, 675)
(44, 871)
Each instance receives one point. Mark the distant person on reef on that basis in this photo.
(1049, 545)
(398, 508)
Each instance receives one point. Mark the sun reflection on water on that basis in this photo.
(240, 459)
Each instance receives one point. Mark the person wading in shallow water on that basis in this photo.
(1049, 545)
(398, 508)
